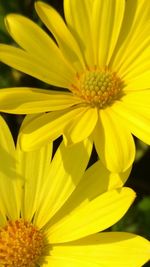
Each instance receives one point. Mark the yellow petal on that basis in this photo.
(139, 82)
(54, 261)
(133, 35)
(107, 19)
(104, 249)
(138, 61)
(35, 41)
(34, 168)
(135, 114)
(3, 219)
(31, 100)
(104, 181)
(78, 17)
(82, 126)
(114, 142)
(95, 181)
(10, 180)
(65, 39)
(141, 99)
(7, 144)
(35, 66)
(67, 168)
(99, 214)
(46, 127)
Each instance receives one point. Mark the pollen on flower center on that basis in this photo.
(21, 244)
(97, 87)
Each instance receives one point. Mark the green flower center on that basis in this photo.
(98, 87)
(21, 244)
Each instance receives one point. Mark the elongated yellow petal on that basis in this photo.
(104, 249)
(82, 126)
(136, 116)
(113, 142)
(78, 17)
(50, 52)
(105, 180)
(7, 144)
(97, 215)
(130, 42)
(34, 168)
(107, 18)
(138, 83)
(65, 39)
(138, 62)
(140, 99)
(46, 127)
(15, 23)
(95, 181)
(65, 173)
(31, 100)
(10, 180)
(35, 66)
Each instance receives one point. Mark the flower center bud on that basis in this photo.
(21, 244)
(98, 87)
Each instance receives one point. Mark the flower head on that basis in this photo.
(51, 210)
(101, 56)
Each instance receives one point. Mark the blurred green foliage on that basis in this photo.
(137, 219)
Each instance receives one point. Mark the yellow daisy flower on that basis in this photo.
(51, 210)
(101, 57)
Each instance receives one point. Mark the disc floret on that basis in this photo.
(21, 244)
(98, 87)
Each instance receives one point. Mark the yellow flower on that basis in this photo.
(101, 55)
(51, 210)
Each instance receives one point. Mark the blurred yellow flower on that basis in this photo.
(51, 210)
(101, 55)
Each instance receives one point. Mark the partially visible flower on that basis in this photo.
(102, 57)
(51, 211)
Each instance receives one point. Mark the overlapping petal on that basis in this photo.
(35, 66)
(64, 38)
(26, 100)
(138, 83)
(136, 117)
(33, 166)
(107, 18)
(95, 181)
(138, 62)
(51, 53)
(133, 36)
(46, 127)
(63, 177)
(106, 209)
(96, 34)
(75, 20)
(104, 249)
(10, 180)
(113, 142)
(82, 126)
(56, 197)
